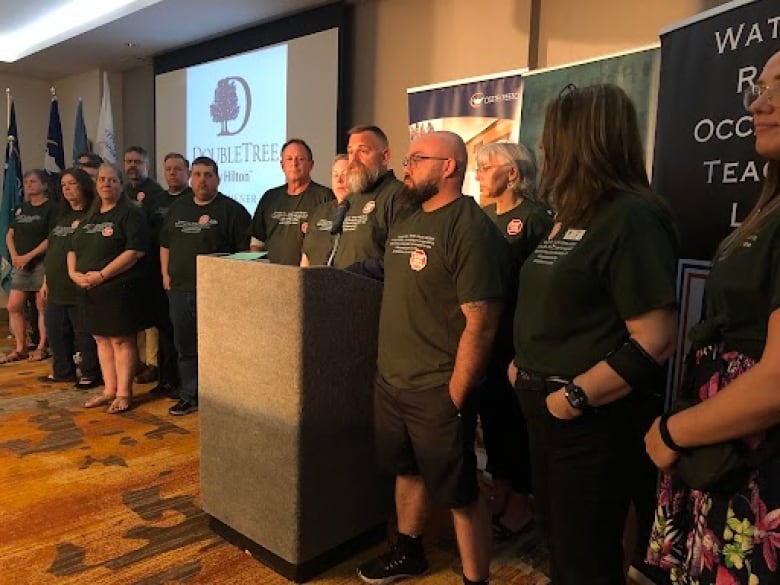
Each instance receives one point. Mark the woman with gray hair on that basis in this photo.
(507, 175)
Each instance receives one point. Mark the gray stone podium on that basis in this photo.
(286, 362)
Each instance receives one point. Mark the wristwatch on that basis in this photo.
(576, 396)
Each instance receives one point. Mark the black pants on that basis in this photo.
(65, 339)
(583, 482)
(166, 358)
(504, 429)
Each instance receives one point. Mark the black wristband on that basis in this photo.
(663, 428)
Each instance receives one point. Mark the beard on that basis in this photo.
(419, 193)
(360, 177)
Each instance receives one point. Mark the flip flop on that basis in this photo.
(120, 404)
(14, 356)
(99, 400)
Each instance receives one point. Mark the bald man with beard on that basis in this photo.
(446, 273)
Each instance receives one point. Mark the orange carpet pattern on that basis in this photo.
(92, 498)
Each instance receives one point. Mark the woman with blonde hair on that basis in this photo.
(104, 262)
(507, 179)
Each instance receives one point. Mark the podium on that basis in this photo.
(287, 358)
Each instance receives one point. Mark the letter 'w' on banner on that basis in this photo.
(80, 144)
(104, 143)
(12, 196)
(54, 157)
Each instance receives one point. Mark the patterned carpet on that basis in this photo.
(92, 498)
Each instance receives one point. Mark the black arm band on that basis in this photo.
(637, 367)
(666, 437)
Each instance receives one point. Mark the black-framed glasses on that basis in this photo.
(751, 94)
(415, 159)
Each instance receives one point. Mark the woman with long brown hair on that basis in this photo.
(730, 532)
(595, 319)
(104, 264)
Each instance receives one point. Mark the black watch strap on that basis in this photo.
(576, 396)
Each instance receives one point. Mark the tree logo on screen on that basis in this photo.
(225, 106)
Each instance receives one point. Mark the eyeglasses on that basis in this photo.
(751, 94)
(415, 159)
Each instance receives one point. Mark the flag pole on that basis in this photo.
(7, 106)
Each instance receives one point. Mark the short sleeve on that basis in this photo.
(137, 231)
(642, 269)
(239, 228)
(258, 228)
(481, 263)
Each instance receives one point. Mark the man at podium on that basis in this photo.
(446, 269)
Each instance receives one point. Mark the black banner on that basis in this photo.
(705, 163)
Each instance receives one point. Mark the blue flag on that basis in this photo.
(79, 134)
(12, 197)
(54, 158)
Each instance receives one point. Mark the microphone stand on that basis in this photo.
(333, 251)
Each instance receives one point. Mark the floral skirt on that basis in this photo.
(707, 539)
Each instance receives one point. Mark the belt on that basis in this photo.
(535, 382)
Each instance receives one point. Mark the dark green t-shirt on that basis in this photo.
(434, 263)
(370, 216)
(163, 205)
(523, 227)
(191, 229)
(318, 242)
(577, 289)
(742, 290)
(32, 225)
(62, 290)
(281, 220)
(104, 236)
(147, 195)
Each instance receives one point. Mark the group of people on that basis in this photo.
(548, 314)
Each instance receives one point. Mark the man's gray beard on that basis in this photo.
(361, 178)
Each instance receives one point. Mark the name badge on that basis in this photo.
(575, 235)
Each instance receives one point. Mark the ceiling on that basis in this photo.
(158, 26)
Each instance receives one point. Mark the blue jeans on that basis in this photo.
(184, 316)
(65, 339)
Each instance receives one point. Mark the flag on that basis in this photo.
(12, 197)
(80, 144)
(104, 144)
(54, 157)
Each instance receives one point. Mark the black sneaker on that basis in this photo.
(392, 566)
(88, 383)
(183, 407)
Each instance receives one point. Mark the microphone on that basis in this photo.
(338, 222)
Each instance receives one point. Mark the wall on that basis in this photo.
(405, 43)
(138, 114)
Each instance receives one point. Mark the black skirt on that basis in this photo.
(116, 308)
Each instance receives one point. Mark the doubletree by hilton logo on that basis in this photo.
(225, 106)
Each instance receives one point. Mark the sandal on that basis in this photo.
(119, 405)
(99, 400)
(38, 355)
(14, 356)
